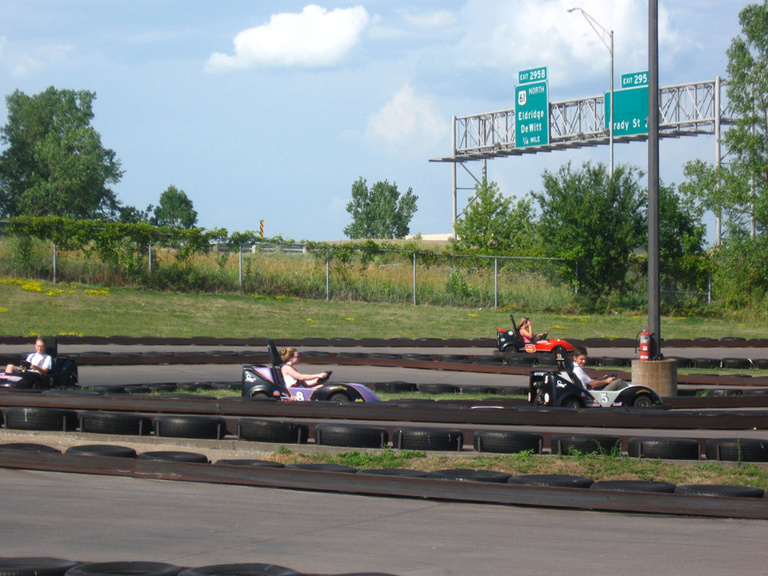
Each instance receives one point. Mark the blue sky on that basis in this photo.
(272, 109)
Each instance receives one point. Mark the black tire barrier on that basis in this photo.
(29, 447)
(351, 436)
(120, 423)
(453, 358)
(124, 569)
(737, 363)
(428, 439)
(173, 456)
(395, 387)
(272, 431)
(471, 475)
(200, 427)
(552, 480)
(634, 486)
(564, 444)
(761, 363)
(240, 570)
(489, 360)
(439, 389)
(400, 472)
(664, 448)
(520, 360)
(720, 490)
(705, 363)
(507, 441)
(736, 449)
(418, 357)
(249, 462)
(49, 419)
(102, 450)
(615, 361)
(35, 566)
(323, 467)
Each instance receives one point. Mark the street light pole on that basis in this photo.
(607, 39)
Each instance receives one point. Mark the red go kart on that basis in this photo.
(509, 340)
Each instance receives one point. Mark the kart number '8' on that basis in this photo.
(300, 396)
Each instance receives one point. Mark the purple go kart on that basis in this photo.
(265, 382)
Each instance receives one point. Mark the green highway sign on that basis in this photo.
(634, 80)
(532, 115)
(532, 75)
(630, 111)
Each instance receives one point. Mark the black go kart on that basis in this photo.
(561, 387)
(263, 382)
(63, 373)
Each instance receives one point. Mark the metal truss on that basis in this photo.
(685, 110)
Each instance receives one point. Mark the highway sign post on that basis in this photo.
(532, 108)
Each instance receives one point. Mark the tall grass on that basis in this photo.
(535, 286)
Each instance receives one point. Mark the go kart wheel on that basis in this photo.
(643, 401)
(572, 402)
(338, 397)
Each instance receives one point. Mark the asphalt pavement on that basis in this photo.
(92, 518)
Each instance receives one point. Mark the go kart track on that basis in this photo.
(694, 428)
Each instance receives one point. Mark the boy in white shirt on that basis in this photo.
(607, 383)
(39, 361)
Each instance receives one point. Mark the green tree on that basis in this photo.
(380, 212)
(682, 236)
(174, 209)
(492, 225)
(54, 162)
(594, 219)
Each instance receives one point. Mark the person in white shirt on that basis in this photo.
(292, 377)
(38, 361)
(607, 383)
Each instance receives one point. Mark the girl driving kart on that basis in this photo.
(292, 377)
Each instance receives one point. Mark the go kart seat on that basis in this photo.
(517, 339)
(52, 348)
(276, 361)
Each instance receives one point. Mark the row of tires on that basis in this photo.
(46, 566)
(455, 474)
(367, 436)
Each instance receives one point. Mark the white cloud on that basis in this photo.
(37, 59)
(435, 19)
(513, 36)
(407, 123)
(314, 38)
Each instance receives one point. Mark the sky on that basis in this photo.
(270, 110)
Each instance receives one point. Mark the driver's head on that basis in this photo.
(40, 345)
(288, 353)
(580, 356)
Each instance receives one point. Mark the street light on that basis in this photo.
(607, 39)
